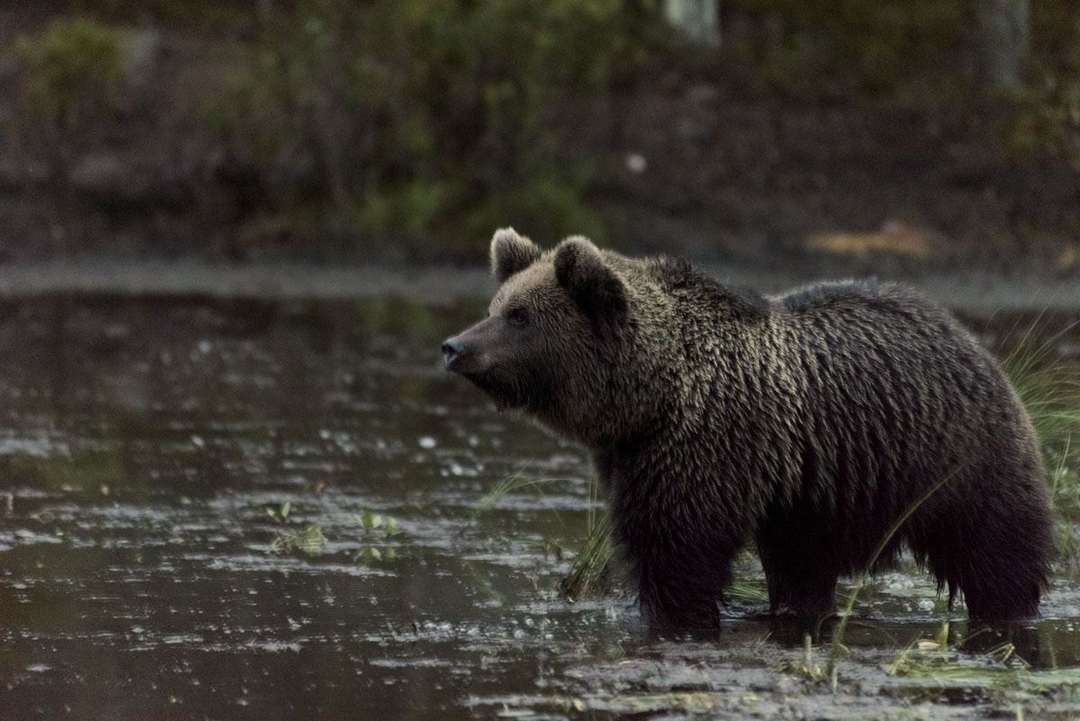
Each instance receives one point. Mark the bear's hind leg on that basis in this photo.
(1001, 576)
(995, 547)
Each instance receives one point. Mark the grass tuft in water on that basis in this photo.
(1050, 390)
(511, 484)
(807, 667)
(516, 481)
(591, 570)
(746, 592)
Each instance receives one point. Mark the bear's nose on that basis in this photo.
(451, 349)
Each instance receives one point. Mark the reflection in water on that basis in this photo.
(149, 450)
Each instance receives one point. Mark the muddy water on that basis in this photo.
(151, 452)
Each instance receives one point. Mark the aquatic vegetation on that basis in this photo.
(308, 540)
(512, 483)
(375, 522)
(377, 529)
(1050, 390)
(808, 667)
(281, 513)
(746, 592)
(999, 672)
(374, 554)
(936, 658)
(591, 570)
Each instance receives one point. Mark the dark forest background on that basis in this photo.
(879, 135)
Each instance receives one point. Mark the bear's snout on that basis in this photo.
(452, 349)
(467, 352)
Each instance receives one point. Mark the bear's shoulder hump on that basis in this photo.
(868, 292)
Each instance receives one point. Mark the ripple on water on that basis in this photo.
(26, 537)
(45, 446)
(265, 561)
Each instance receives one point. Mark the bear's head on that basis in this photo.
(559, 339)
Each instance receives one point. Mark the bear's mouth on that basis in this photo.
(506, 394)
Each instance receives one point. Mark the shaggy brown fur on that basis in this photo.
(807, 422)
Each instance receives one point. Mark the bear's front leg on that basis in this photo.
(680, 593)
(800, 569)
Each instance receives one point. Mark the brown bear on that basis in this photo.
(809, 422)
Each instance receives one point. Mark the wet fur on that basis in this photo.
(805, 423)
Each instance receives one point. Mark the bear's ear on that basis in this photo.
(511, 253)
(594, 287)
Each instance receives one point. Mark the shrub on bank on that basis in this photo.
(429, 122)
(71, 76)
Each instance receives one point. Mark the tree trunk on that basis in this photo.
(1004, 38)
(699, 20)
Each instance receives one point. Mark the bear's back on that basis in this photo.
(868, 293)
(865, 327)
(883, 313)
(893, 383)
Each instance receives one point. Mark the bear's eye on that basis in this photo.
(517, 317)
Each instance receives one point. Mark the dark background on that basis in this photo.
(842, 135)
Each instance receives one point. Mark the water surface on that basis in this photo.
(148, 452)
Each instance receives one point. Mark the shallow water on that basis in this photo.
(148, 449)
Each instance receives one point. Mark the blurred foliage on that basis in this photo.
(218, 16)
(72, 73)
(918, 53)
(420, 125)
(428, 122)
(821, 47)
(1047, 117)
